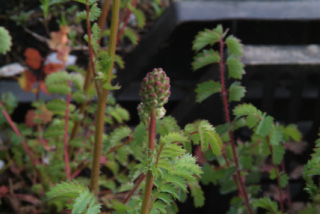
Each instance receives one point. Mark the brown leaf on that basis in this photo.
(27, 80)
(45, 116)
(274, 193)
(52, 68)
(29, 119)
(296, 147)
(296, 172)
(33, 58)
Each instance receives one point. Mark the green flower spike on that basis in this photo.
(155, 92)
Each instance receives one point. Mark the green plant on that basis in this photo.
(240, 160)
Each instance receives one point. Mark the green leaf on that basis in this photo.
(234, 46)
(78, 81)
(235, 68)
(165, 197)
(141, 19)
(207, 37)
(81, 202)
(278, 153)
(173, 137)
(132, 35)
(246, 161)
(118, 59)
(245, 110)
(206, 89)
(276, 136)
(94, 12)
(205, 58)
(265, 126)
(252, 121)
(5, 40)
(266, 204)
(197, 194)
(284, 179)
(69, 190)
(110, 87)
(236, 92)
(81, 16)
(293, 132)
(273, 174)
(81, 1)
(168, 188)
(208, 175)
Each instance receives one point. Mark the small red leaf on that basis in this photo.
(33, 58)
(52, 68)
(27, 80)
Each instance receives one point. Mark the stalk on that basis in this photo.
(66, 155)
(149, 180)
(102, 101)
(224, 93)
(277, 175)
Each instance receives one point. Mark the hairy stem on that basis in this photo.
(224, 93)
(277, 175)
(130, 194)
(65, 140)
(103, 16)
(125, 18)
(102, 102)
(149, 181)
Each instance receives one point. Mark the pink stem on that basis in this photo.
(15, 129)
(66, 155)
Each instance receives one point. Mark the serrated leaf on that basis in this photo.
(293, 132)
(68, 189)
(197, 194)
(252, 121)
(131, 35)
(235, 68)
(278, 154)
(234, 46)
(284, 179)
(273, 174)
(94, 12)
(165, 197)
(245, 110)
(5, 40)
(246, 161)
(81, 202)
(276, 136)
(118, 59)
(236, 92)
(168, 188)
(266, 204)
(78, 81)
(206, 89)
(205, 58)
(206, 37)
(141, 19)
(110, 87)
(265, 126)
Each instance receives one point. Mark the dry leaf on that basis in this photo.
(296, 172)
(33, 58)
(274, 193)
(59, 41)
(27, 80)
(29, 119)
(296, 147)
(45, 116)
(52, 68)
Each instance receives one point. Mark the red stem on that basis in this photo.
(24, 144)
(125, 18)
(224, 93)
(139, 181)
(277, 175)
(151, 146)
(283, 168)
(103, 17)
(66, 155)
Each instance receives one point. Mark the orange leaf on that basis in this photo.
(44, 116)
(43, 87)
(29, 118)
(33, 58)
(27, 80)
(52, 68)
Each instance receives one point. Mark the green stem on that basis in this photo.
(151, 146)
(102, 102)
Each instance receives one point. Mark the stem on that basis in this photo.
(277, 175)
(103, 16)
(125, 18)
(149, 181)
(283, 168)
(242, 189)
(139, 181)
(102, 101)
(120, 145)
(16, 130)
(66, 155)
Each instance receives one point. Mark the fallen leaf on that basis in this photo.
(33, 58)
(52, 68)
(27, 80)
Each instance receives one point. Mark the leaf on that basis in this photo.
(81, 202)
(276, 136)
(252, 121)
(293, 132)
(110, 87)
(205, 58)
(77, 80)
(118, 59)
(245, 110)
(33, 58)
(236, 92)
(52, 68)
(68, 189)
(141, 19)
(265, 126)
(197, 194)
(284, 179)
(206, 89)
(165, 197)
(168, 188)
(234, 46)
(132, 35)
(273, 174)
(206, 37)
(5, 40)
(266, 204)
(235, 68)
(278, 153)
(27, 80)
(94, 12)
